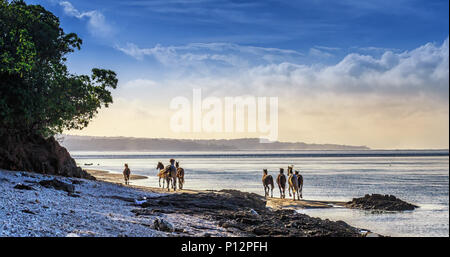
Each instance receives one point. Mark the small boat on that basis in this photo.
(88, 164)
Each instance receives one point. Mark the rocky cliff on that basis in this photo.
(37, 154)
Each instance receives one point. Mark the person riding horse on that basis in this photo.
(171, 171)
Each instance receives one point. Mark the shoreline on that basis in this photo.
(275, 203)
(30, 207)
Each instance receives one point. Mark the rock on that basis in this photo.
(261, 231)
(73, 194)
(37, 154)
(23, 187)
(28, 211)
(58, 185)
(76, 182)
(235, 211)
(163, 225)
(380, 202)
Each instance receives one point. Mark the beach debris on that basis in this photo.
(380, 202)
(58, 185)
(23, 187)
(253, 212)
(139, 202)
(163, 225)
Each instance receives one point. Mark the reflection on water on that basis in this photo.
(417, 177)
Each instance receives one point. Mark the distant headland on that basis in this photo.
(93, 143)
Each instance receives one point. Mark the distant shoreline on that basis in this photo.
(91, 143)
(265, 153)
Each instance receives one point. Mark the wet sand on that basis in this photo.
(275, 203)
(104, 175)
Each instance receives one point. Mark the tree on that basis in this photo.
(38, 95)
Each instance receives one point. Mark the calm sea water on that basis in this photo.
(419, 177)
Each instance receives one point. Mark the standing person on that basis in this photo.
(173, 174)
(126, 174)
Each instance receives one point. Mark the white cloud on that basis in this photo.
(97, 24)
(319, 53)
(220, 53)
(424, 70)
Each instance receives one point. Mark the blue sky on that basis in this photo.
(335, 28)
(392, 54)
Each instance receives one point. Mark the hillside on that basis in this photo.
(88, 143)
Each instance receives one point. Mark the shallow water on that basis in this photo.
(419, 177)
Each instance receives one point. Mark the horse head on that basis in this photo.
(160, 166)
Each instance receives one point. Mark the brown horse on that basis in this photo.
(300, 183)
(180, 175)
(162, 173)
(267, 180)
(293, 183)
(281, 181)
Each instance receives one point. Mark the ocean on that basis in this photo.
(420, 177)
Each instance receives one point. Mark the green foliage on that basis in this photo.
(37, 93)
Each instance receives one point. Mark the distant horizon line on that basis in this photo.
(293, 142)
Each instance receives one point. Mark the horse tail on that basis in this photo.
(271, 181)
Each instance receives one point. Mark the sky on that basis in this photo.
(373, 73)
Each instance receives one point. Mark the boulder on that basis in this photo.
(23, 187)
(380, 202)
(163, 225)
(58, 185)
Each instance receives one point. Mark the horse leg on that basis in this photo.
(271, 192)
(180, 183)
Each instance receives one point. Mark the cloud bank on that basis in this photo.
(421, 71)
